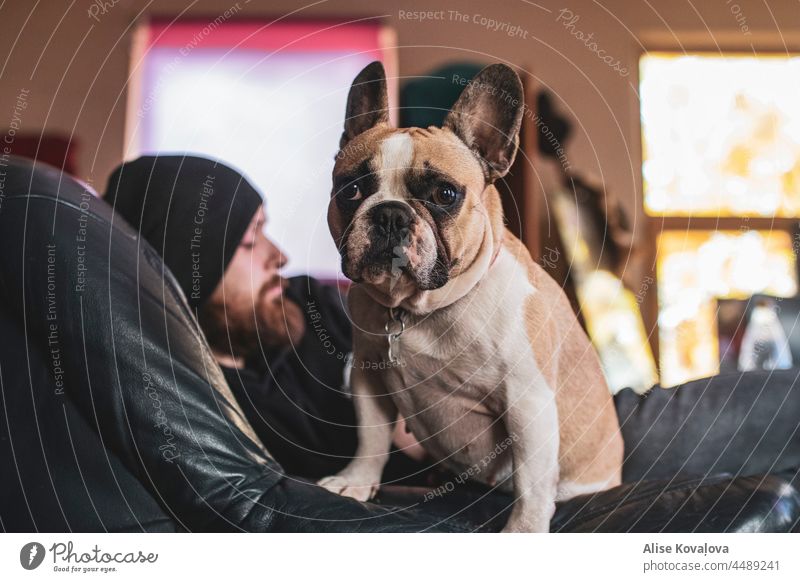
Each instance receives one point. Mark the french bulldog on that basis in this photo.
(455, 326)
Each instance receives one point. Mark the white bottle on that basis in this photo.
(764, 345)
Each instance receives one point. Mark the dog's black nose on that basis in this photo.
(392, 219)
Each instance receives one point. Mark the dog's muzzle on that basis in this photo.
(391, 221)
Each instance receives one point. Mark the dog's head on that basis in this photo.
(410, 208)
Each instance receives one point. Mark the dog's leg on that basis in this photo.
(376, 414)
(532, 424)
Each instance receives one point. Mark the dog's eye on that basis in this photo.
(445, 195)
(352, 192)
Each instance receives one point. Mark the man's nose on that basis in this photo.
(392, 219)
(275, 258)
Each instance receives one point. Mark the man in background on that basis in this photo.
(283, 344)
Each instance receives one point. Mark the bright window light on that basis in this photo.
(721, 135)
(269, 101)
(695, 269)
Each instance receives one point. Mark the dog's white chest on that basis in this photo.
(458, 367)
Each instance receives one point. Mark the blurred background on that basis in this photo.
(659, 175)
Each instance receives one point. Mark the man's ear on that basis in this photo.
(487, 117)
(367, 103)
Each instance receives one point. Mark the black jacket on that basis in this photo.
(296, 397)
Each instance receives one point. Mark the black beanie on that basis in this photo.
(193, 211)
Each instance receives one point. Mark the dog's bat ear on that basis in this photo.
(487, 117)
(367, 103)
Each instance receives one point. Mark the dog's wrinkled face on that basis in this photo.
(408, 208)
(404, 202)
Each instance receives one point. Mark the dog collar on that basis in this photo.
(395, 327)
(456, 288)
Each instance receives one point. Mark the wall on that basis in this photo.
(75, 66)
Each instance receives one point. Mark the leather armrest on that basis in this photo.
(722, 503)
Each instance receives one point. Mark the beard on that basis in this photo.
(245, 329)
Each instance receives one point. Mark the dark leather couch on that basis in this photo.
(114, 416)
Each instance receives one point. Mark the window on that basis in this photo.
(271, 98)
(695, 269)
(721, 135)
(721, 176)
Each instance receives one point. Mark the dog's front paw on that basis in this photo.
(521, 521)
(362, 489)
